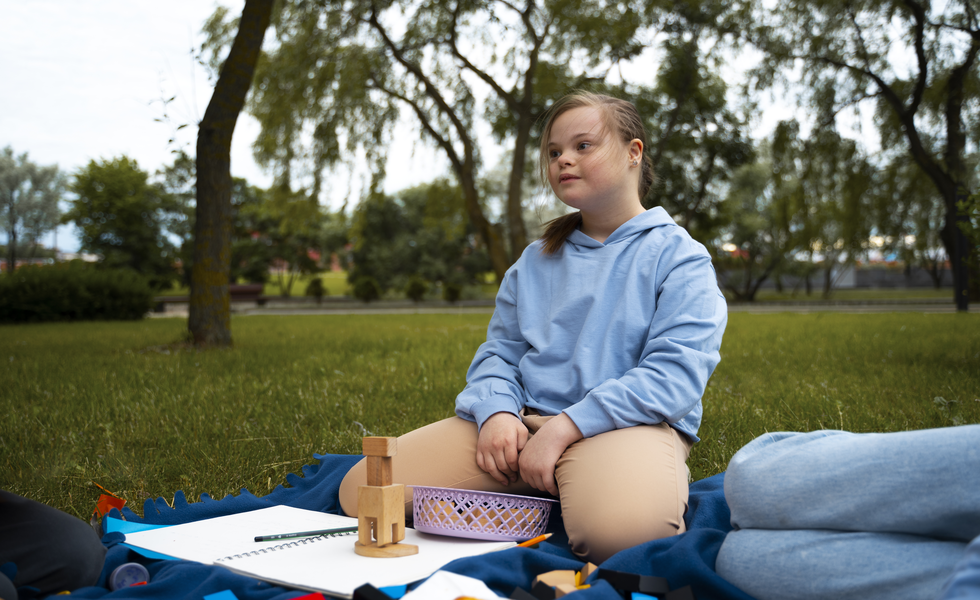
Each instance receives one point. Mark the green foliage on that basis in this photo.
(121, 216)
(178, 185)
(697, 141)
(367, 71)
(421, 231)
(316, 289)
(144, 416)
(913, 60)
(366, 288)
(416, 288)
(759, 236)
(452, 292)
(73, 292)
(29, 196)
(909, 215)
(803, 198)
(837, 179)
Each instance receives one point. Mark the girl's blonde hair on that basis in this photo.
(622, 118)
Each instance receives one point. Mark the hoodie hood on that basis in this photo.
(655, 217)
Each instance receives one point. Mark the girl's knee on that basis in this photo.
(596, 538)
(348, 488)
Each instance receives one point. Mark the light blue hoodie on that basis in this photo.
(613, 334)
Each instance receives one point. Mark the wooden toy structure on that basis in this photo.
(381, 505)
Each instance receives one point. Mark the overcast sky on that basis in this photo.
(85, 80)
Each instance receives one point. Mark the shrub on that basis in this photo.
(366, 288)
(451, 292)
(73, 292)
(316, 289)
(417, 288)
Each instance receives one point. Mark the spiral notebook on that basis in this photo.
(325, 564)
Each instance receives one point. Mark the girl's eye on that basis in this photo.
(584, 145)
(554, 154)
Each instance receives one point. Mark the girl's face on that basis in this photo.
(589, 168)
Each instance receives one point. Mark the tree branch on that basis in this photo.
(423, 117)
(919, 14)
(507, 97)
(860, 36)
(430, 88)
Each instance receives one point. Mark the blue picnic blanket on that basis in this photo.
(687, 559)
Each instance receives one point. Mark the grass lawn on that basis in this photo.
(128, 407)
(858, 294)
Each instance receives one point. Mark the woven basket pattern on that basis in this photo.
(480, 515)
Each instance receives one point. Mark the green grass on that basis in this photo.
(125, 406)
(924, 293)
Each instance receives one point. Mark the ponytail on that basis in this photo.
(647, 176)
(558, 230)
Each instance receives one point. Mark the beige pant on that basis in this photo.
(617, 489)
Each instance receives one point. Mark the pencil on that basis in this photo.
(286, 536)
(534, 541)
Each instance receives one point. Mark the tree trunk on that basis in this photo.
(485, 229)
(12, 241)
(209, 320)
(515, 212)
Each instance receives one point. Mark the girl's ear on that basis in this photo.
(635, 150)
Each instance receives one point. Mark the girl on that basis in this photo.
(604, 335)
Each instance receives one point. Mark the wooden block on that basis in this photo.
(379, 470)
(556, 578)
(381, 511)
(564, 589)
(587, 570)
(379, 446)
(389, 551)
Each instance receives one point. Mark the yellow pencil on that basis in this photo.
(534, 541)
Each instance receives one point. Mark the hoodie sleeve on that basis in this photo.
(493, 381)
(681, 351)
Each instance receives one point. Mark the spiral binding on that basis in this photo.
(271, 549)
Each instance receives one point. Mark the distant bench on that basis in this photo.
(243, 292)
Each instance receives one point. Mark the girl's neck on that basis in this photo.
(599, 226)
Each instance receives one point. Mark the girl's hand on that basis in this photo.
(501, 440)
(542, 451)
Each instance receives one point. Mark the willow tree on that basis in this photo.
(697, 139)
(916, 62)
(209, 320)
(343, 72)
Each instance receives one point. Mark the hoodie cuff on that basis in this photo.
(590, 417)
(483, 410)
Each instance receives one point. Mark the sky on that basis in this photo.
(87, 80)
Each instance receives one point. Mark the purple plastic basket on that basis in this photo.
(479, 515)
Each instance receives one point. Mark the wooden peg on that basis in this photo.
(379, 446)
(379, 470)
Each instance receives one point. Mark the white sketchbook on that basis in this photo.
(326, 564)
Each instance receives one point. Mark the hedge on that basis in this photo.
(73, 292)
